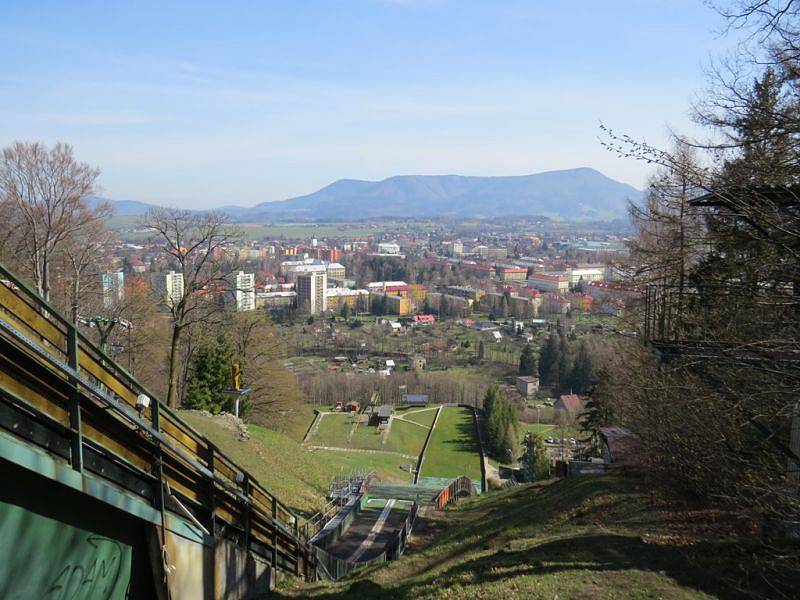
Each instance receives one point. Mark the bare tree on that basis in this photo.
(84, 258)
(47, 191)
(194, 245)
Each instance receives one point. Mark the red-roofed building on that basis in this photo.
(569, 404)
(549, 282)
(611, 290)
(554, 304)
(424, 319)
(510, 273)
(484, 271)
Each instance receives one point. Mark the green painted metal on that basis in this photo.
(50, 559)
(24, 455)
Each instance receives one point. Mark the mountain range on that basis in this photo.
(571, 194)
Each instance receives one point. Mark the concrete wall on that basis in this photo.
(58, 543)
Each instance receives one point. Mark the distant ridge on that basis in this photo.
(571, 194)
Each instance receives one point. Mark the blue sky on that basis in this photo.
(205, 104)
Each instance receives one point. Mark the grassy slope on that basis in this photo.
(582, 537)
(334, 428)
(299, 478)
(453, 449)
(406, 438)
(389, 467)
(423, 417)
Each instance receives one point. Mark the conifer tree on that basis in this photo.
(527, 362)
(210, 377)
(547, 358)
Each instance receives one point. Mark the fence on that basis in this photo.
(425, 445)
(88, 411)
(334, 567)
(459, 487)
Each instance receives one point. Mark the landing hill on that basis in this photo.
(581, 537)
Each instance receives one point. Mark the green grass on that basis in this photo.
(333, 430)
(366, 437)
(540, 429)
(581, 537)
(423, 417)
(453, 449)
(406, 438)
(296, 476)
(387, 466)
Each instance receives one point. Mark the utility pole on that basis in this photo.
(104, 326)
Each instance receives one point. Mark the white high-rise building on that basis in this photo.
(311, 291)
(173, 287)
(245, 291)
(113, 287)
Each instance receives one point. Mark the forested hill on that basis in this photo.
(567, 194)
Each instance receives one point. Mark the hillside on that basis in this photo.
(298, 477)
(582, 193)
(582, 537)
(573, 193)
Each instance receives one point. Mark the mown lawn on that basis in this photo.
(389, 467)
(333, 430)
(406, 438)
(423, 417)
(581, 537)
(453, 449)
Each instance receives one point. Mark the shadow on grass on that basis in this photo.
(584, 526)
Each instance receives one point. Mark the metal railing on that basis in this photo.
(334, 567)
(87, 410)
(727, 321)
(458, 488)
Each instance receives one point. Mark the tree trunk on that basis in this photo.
(172, 391)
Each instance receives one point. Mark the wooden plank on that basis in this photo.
(46, 405)
(88, 363)
(176, 432)
(32, 320)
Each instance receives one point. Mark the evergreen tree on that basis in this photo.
(547, 358)
(210, 376)
(535, 461)
(481, 350)
(527, 361)
(598, 411)
(345, 312)
(581, 375)
(510, 450)
(501, 425)
(564, 367)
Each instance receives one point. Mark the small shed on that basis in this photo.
(527, 385)
(620, 445)
(416, 399)
(383, 414)
(352, 406)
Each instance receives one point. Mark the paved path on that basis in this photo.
(411, 456)
(364, 539)
(373, 534)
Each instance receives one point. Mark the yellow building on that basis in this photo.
(395, 305)
(338, 297)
